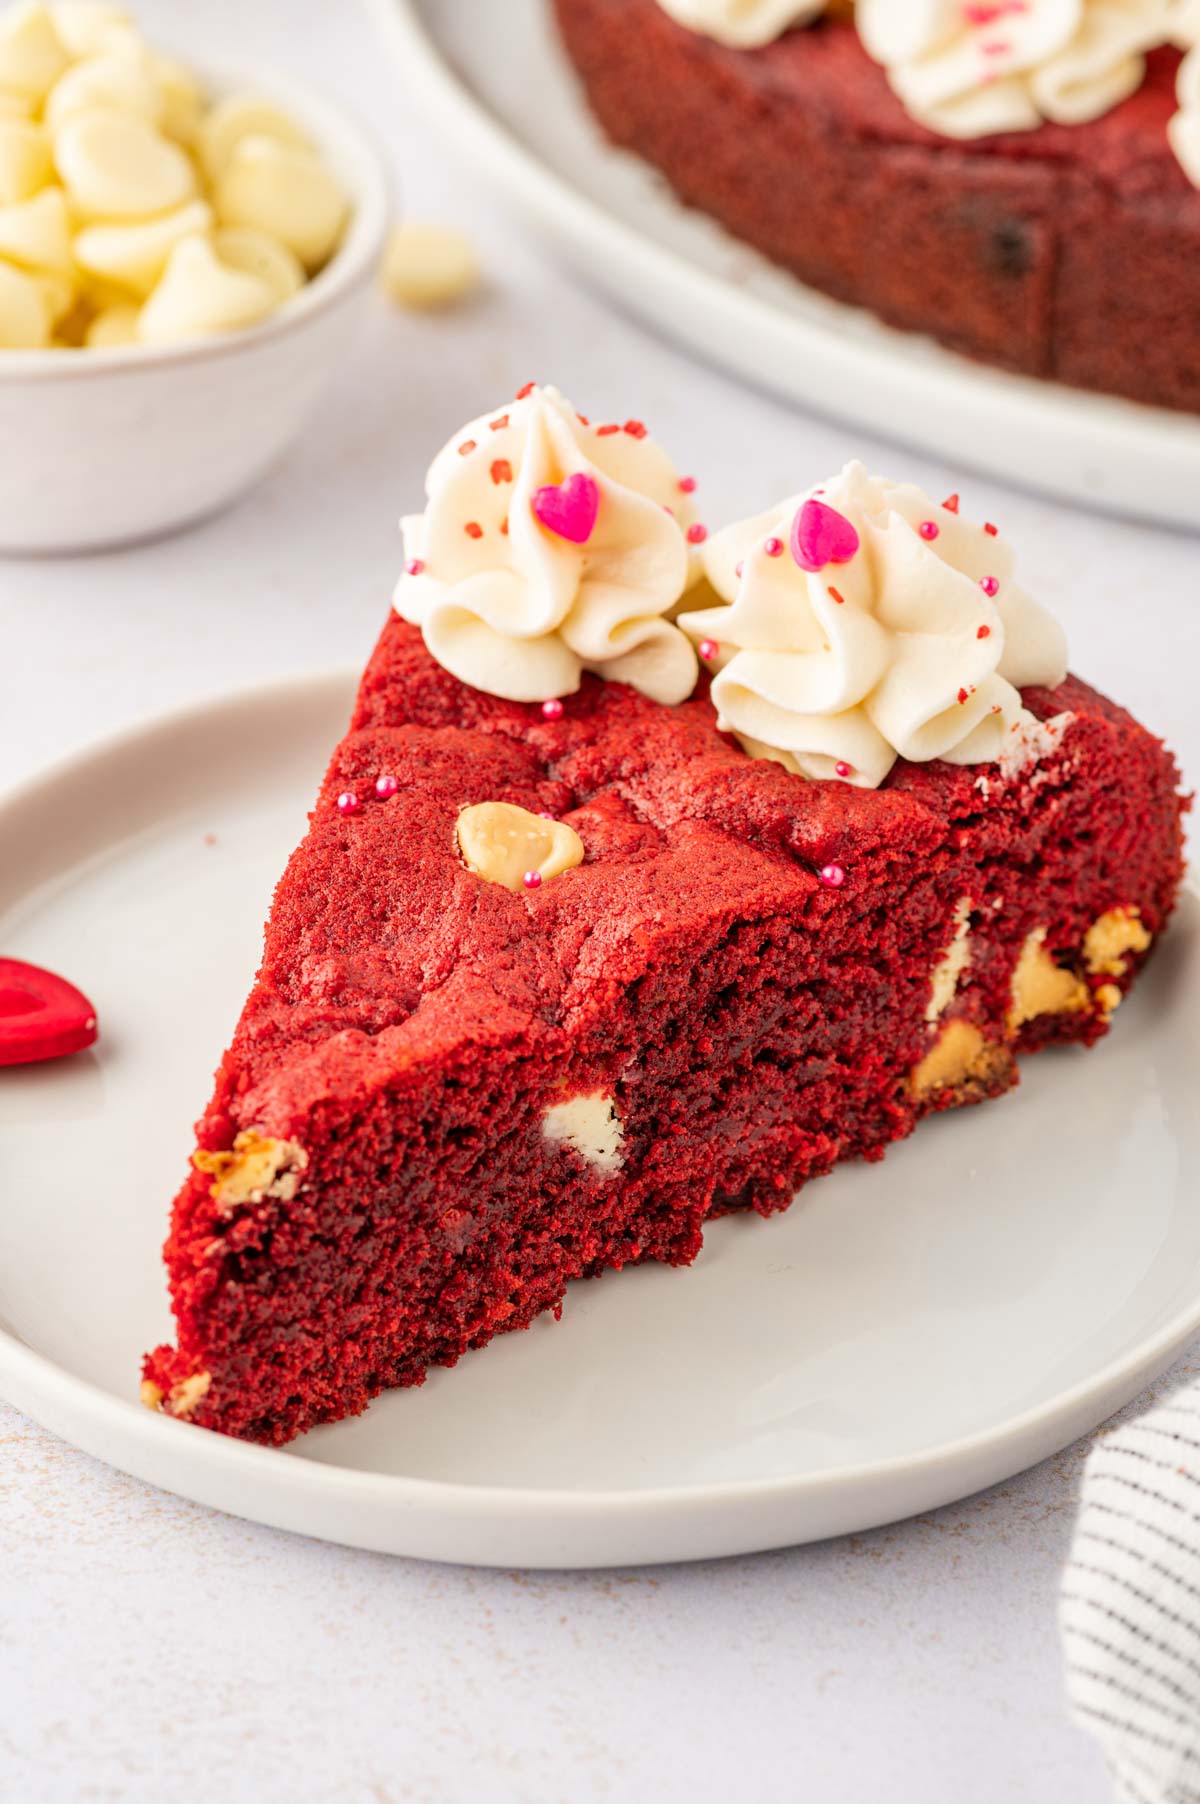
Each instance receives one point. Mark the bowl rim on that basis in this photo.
(361, 164)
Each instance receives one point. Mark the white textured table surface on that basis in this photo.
(151, 1650)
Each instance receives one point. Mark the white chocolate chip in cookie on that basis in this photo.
(943, 983)
(591, 1126)
(255, 1167)
(428, 266)
(508, 845)
(133, 256)
(199, 294)
(117, 166)
(959, 1054)
(286, 190)
(1040, 987)
(182, 1398)
(1111, 938)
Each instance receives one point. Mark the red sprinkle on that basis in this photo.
(414, 566)
(951, 504)
(697, 534)
(473, 529)
(468, 445)
(526, 390)
(773, 547)
(837, 596)
(606, 431)
(498, 425)
(583, 421)
(635, 429)
(989, 584)
(502, 470)
(962, 696)
(687, 484)
(929, 529)
(843, 769)
(709, 649)
(504, 527)
(985, 632)
(991, 530)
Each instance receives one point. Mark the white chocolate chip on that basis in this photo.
(182, 96)
(200, 294)
(117, 166)
(591, 1126)
(258, 254)
(32, 55)
(134, 256)
(116, 325)
(501, 843)
(25, 162)
(285, 190)
(24, 314)
(37, 233)
(244, 116)
(118, 82)
(428, 266)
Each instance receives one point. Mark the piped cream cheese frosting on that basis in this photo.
(1184, 129)
(743, 23)
(552, 545)
(861, 623)
(970, 70)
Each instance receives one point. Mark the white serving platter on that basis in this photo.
(501, 95)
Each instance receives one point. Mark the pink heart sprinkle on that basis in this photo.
(820, 536)
(568, 509)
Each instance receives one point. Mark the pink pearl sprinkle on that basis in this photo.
(532, 880)
(833, 876)
(386, 786)
(687, 485)
(774, 547)
(552, 710)
(989, 584)
(348, 802)
(929, 529)
(843, 769)
(709, 649)
(697, 534)
(414, 566)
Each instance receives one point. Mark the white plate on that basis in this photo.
(495, 83)
(907, 1333)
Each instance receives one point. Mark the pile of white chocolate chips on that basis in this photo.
(133, 211)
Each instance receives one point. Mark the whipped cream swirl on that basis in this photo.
(1184, 129)
(969, 70)
(743, 23)
(865, 623)
(550, 546)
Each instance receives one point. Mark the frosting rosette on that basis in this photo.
(1184, 128)
(743, 23)
(966, 71)
(549, 546)
(863, 623)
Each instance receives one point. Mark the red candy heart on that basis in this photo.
(41, 1015)
(568, 509)
(820, 536)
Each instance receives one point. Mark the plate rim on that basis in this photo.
(1050, 421)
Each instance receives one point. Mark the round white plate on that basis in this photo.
(907, 1333)
(501, 92)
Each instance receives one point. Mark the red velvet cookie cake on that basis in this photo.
(1019, 180)
(592, 938)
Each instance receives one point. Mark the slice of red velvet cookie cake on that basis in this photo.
(593, 937)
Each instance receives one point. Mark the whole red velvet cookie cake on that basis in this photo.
(1019, 180)
(658, 871)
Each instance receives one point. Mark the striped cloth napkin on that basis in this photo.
(1130, 1604)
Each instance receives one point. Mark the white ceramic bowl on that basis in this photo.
(103, 447)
